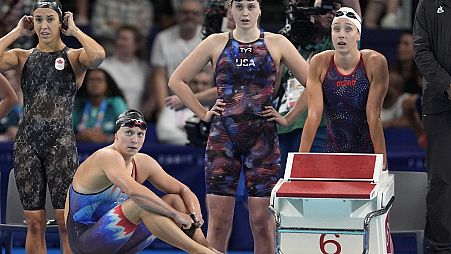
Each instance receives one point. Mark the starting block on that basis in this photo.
(333, 203)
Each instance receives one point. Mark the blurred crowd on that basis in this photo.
(146, 40)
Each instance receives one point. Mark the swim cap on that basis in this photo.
(130, 118)
(351, 15)
(54, 5)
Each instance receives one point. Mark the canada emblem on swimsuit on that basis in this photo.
(59, 63)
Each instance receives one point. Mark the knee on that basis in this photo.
(176, 202)
(262, 225)
(35, 224)
(219, 225)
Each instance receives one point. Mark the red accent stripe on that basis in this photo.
(128, 226)
(355, 68)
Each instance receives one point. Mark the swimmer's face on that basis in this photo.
(46, 24)
(129, 140)
(246, 13)
(345, 34)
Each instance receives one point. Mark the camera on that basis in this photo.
(197, 131)
(213, 18)
(299, 27)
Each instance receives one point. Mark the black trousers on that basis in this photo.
(438, 200)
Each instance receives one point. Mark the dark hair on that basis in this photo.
(51, 4)
(112, 87)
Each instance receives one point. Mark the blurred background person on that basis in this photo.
(9, 111)
(125, 65)
(170, 47)
(97, 105)
(10, 13)
(171, 123)
(109, 15)
(392, 113)
(405, 66)
(387, 13)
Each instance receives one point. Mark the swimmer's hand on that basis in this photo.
(184, 220)
(198, 220)
(217, 109)
(69, 26)
(25, 26)
(272, 115)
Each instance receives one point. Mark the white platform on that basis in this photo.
(332, 203)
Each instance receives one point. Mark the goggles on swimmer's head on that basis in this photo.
(351, 15)
(348, 14)
(131, 118)
(134, 123)
(52, 4)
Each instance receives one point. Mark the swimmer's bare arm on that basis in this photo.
(11, 59)
(92, 54)
(301, 105)
(9, 97)
(113, 165)
(206, 97)
(168, 184)
(315, 100)
(281, 48)
(66, 207)
(192, 65)
(377, 70)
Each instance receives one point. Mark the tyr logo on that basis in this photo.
(246, 50)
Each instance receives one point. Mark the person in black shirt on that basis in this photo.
(432, 40)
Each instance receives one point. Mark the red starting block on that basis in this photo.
(333, 203)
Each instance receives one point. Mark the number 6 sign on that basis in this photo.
(335, 244)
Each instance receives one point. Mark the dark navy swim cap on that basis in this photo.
(131, 118)
(53, 4)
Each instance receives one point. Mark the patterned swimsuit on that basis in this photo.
(345, 99)
(96, 223)
(245, 76)
(45, 149)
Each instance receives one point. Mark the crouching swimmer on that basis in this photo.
(108, 210)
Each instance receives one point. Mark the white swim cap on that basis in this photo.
(351, 15)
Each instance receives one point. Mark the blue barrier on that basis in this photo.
(187, 165)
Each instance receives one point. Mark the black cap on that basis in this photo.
(54, 5)
(130, 118)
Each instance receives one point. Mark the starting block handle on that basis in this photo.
(277, 237)
(368, 218)
(365, 232)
